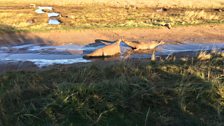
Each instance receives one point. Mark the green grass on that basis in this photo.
(116, 94)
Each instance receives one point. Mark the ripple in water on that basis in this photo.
(44, 55)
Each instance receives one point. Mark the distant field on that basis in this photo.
(148, 3)
(97, 16)
(94, 14)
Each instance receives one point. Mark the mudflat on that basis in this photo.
(200, 33)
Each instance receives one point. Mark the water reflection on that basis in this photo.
(44, 55)
(54, 22)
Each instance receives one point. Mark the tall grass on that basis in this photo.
(116, 93)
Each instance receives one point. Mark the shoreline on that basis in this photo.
(199, 33)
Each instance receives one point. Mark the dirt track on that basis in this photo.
(204, 33)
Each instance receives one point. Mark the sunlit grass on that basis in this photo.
(91, 17)
(149, 3)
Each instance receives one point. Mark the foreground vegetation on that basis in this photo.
(116, 94)
(23, 18)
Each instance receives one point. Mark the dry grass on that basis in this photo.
(203, 55)
(88, 16)
(222, 54)
(194, 17)
(200, 15)
(149, 3)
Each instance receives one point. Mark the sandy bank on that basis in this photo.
(203, 33)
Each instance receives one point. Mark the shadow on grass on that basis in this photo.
(121, 93)
(11, 35)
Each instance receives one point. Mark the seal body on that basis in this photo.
(106, 51)
(144, 45)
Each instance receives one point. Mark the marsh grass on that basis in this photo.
(116, 93)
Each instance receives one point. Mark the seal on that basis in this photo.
(106, 51)
(144, 45)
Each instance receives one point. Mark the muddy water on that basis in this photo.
(53, 16)
(185, 49)
(45, 55)
(54, 22)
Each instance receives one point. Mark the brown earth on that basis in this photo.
(200, 33)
